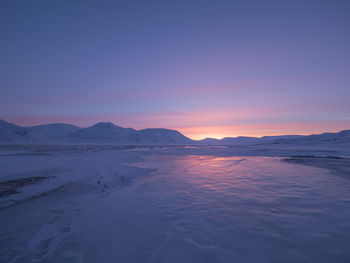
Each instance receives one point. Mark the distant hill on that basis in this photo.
(49, 132)
(11, 133)
(100, 133)
(105, 133)
(108, 133)
(163, 136)
(324, 138)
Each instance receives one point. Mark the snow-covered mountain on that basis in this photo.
(108, 133)
(324, 138)
(10, 132)
(163, 136)
(100, 133)
(57, 130)
(48, 133)
(105, 132)
(243, 140)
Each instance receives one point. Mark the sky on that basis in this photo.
(205, 68)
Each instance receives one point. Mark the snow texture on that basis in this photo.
(175, 203)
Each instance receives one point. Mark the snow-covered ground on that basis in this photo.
(175, 204)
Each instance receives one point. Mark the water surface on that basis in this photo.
(198, 209)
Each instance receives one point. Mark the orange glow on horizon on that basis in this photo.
(213, 123)
(301, 128)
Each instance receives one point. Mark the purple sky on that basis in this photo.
(206, 68)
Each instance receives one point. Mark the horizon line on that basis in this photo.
(175, 129)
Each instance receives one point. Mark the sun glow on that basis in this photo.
(251, 130)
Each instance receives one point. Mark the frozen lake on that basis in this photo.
(192, 208)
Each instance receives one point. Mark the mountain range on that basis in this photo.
(100, 133)
(108, 133)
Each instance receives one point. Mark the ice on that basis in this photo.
(176, 204)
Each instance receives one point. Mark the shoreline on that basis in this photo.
(334, 164)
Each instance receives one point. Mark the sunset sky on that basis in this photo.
(205, 68)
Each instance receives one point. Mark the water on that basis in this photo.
(210, 209)
(252, 209)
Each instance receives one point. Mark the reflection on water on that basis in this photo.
(252, 209)
(192, 209)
